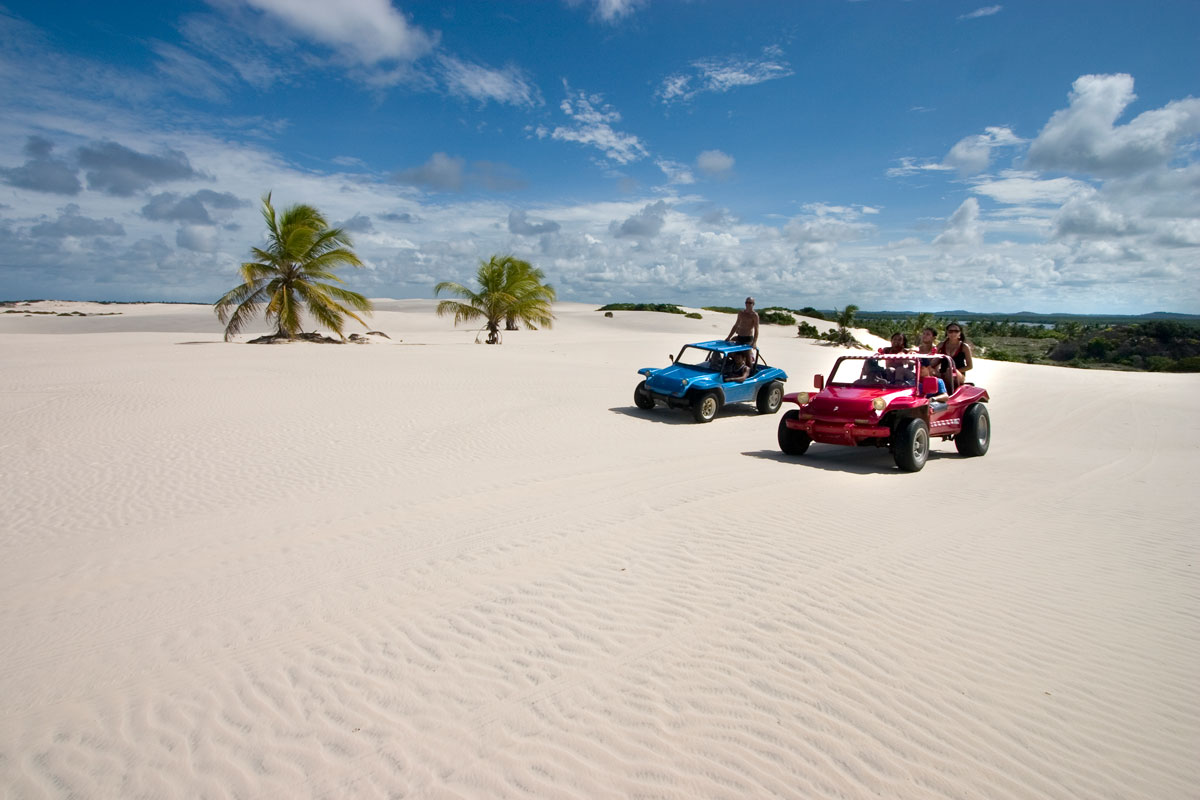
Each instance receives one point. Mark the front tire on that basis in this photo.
(642, 398)
(770, 398)
(911, 445)
(792, 442)
(705, 407)
(976, 433)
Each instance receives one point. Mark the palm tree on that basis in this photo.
(525, 283)
(505, 291)
(843, 336)
(301, 251)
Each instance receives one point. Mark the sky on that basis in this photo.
(1040, 155)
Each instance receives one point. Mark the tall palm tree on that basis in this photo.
(302, 250)
(504, 291)
(845, 317)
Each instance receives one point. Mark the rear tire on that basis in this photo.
(705, 407)
(976, 433)
(642, 398)
(792, 442)
(770, 398)
(911, 445)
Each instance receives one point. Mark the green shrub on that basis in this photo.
(773, 317)
(666, 308)
(722, 309)
(693, 315)
(807, 331)
(1189, 364)
(1160, 363)
(998, 354)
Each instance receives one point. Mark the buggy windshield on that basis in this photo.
(700, 359)
(900, 370)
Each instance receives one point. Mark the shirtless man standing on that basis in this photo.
(745, 327)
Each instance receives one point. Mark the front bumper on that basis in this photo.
(837, 432)
(669, 400)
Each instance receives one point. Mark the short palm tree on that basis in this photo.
(525, 282)
(508, 289)
(301, 252)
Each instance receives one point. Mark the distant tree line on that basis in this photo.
(1156, 345)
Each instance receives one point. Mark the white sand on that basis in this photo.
(427, 568)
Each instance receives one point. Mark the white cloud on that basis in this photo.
(613, 10)
(440, 172)
(986, 11)
(1084, 137)
(676, 173)
(912, 166)
(723, 74)
(963, 227)
(645, 224)
(1017, 188)
(826, 225)
(1091, 217)
(197, 238)
(973, 154)
(714, 162)
(520, 224)
(446, 173)
(363, 31)
(592, 122)
(509, 85)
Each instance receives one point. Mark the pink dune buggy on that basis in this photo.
(892, 401)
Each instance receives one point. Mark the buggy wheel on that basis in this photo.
(642, 398)
(770, 398)
(705, 407)
(976, 433)
(792, 442)
(911, 444)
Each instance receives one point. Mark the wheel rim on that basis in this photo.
(981, 430)
(920, 447)
(774, 398)
(708, 407)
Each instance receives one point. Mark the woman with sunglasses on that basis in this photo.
(955, 345)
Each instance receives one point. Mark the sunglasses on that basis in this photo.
(953, 330)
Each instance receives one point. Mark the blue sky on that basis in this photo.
(917, 155)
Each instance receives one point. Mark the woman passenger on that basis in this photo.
(955, 345)
(899, 344)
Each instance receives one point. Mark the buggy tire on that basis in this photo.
(705, 406)
(911, 445)
(770, 398)
(976, 433)
(642, 398)
(792, 442)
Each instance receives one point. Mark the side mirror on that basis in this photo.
(929, 385)
(671, 357)
(819, 382)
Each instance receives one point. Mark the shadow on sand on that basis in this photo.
(856, 460)
(682, 416)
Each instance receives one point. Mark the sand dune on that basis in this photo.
(426, 568)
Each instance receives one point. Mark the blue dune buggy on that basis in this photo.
(706, 376)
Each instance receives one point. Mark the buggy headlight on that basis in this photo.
(878, 404)
(802, 398)
(684, 382)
